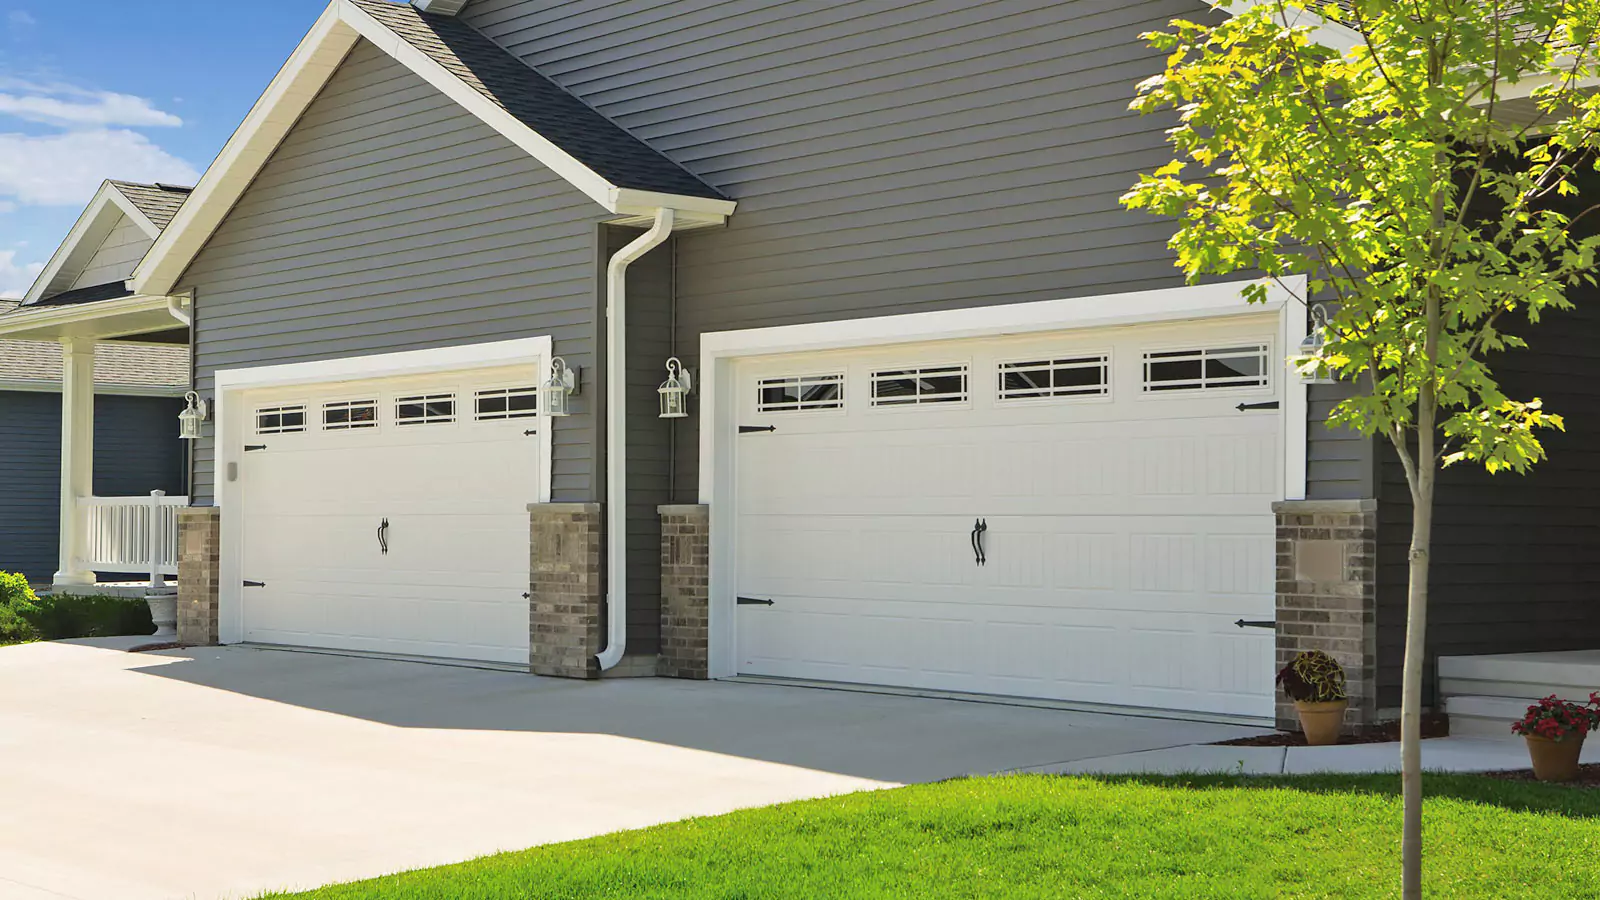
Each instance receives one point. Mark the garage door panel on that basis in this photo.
(1126, 533)
(455, 496)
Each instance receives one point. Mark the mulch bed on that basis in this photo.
(1433, 726)
(1588, 777)
(147, 648)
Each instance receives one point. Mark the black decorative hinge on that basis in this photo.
(752, 601)
(530, 432)
(1256, 623)
(255, 584)
(1271, 404)
(249, 447)
(752, 429)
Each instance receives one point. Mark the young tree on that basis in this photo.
(1415, 160)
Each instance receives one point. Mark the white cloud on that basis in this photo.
(19, 18)
(70, 106)
(16, 278)
(66, 169)
(7, 206)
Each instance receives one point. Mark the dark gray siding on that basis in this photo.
(1340, 464)
(1516, 558)
(889, 157)
(649, 436)
(136, 451)
(390, 220)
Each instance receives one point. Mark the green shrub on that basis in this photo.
(60, 616)
(17, 601)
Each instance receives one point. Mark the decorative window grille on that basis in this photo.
(1078, 376)
(915, 387)
(348, 415)
(280, 419)
(425, 409)
(801, 392)
(1208, 369)
(508, 403)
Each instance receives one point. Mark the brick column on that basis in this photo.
(1327, 595)
(199, 566)
(685, 577)
(567, 589)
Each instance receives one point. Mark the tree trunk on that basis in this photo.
(1411, 696)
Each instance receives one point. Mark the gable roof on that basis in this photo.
(148, 206)
(615, 169)
(118, 368)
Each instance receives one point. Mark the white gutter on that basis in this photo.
(175, 307)
(616, 434)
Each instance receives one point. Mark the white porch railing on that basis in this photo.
(133, 534)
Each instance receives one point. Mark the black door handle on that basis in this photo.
(383, 536)
(979, 528)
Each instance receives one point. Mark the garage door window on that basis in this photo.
(425, 409)
(349, 415)
(915, 387)
(1080, 376)
(801, 392)
(508, 403)
(1206, 369)
(280, 419)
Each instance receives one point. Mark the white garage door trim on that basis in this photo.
(232, 415)
(720, 352)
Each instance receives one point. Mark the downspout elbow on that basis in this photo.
(616, 435)
(175, 308)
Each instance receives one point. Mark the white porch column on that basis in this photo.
(77, 456)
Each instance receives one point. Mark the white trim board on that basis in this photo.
(310, 67)
(229, 430)
(720, 351)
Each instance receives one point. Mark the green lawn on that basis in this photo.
(1040, 836)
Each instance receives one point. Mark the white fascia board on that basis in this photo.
(1329, 34)
(269, 121)
(16, 324)
(293, 89)
(469, 98)
(134, 213)
(108, 202)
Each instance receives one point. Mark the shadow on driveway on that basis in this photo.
(881, 737)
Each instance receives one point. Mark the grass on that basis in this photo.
(1042, 836)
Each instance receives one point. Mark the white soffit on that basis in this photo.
(313, 63)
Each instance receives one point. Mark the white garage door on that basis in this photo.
(1082, 517)
(391, 516)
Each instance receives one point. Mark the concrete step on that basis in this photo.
(1479, 716)
(1571, 674)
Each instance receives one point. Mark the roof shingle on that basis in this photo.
(159, 202)
(539, 103)
(115, 365)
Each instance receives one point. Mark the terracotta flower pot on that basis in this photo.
(1321, 722)
(1555, 760)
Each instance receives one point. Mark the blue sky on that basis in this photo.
(95, 89)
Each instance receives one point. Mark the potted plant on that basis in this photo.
(1315, 682)
(1555, 729)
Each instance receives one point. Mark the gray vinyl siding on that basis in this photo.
(136, 451)
(389, 219)
(116, 258)
(891, 157)
(1514, 562)
(1340, 463)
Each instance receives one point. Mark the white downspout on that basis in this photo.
(175, 308)
(616, 435)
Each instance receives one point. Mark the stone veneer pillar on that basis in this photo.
(685, 596)
(1327, 595)
(199, 567)
(567, 589)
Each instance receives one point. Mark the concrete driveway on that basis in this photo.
(222, 772)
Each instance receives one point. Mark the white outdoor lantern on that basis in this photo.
(555, 392)
(675, 391)
(193, 414)
(1311, 363)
